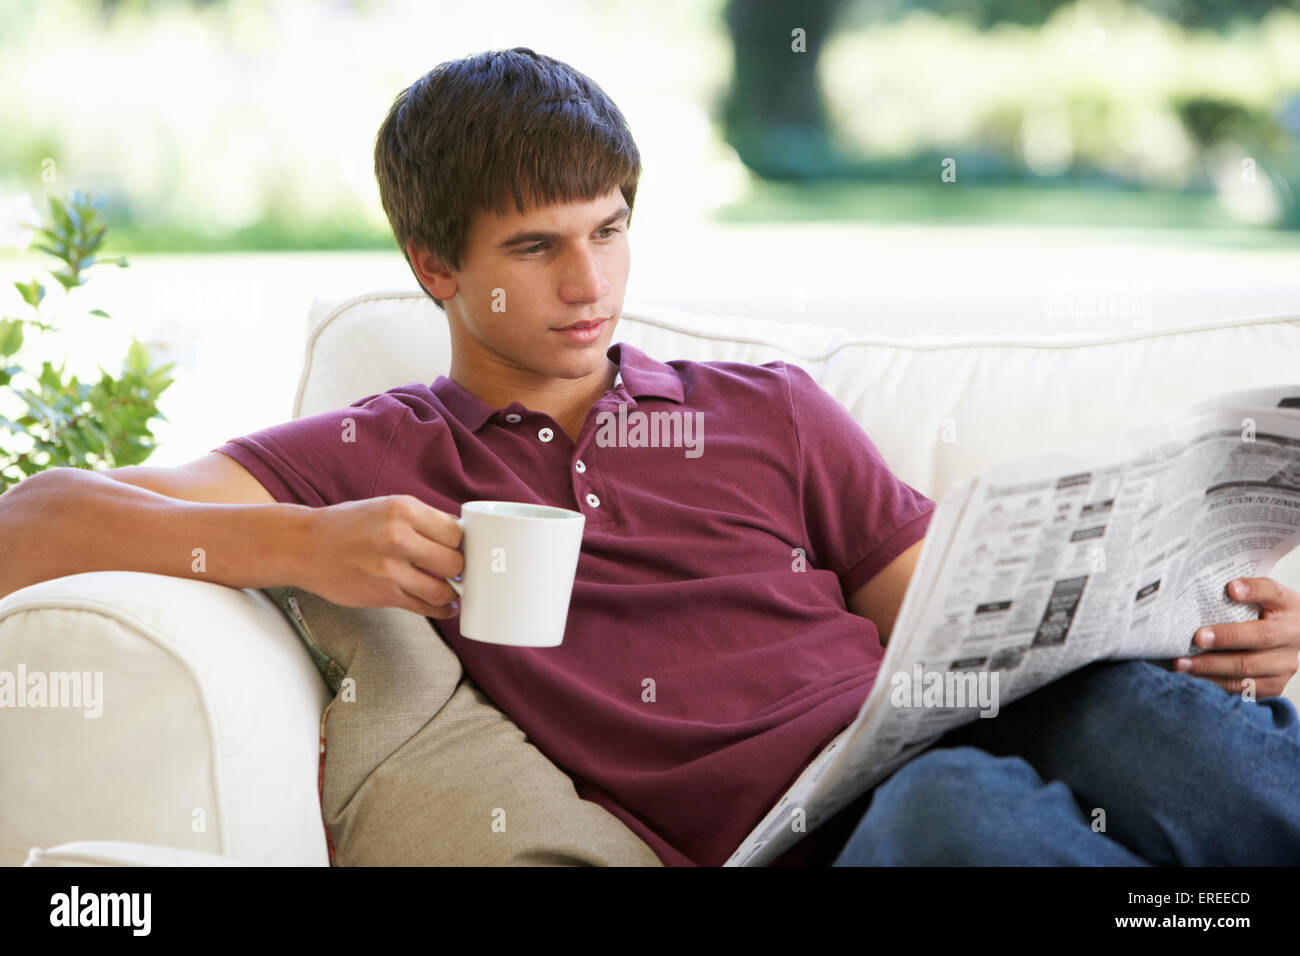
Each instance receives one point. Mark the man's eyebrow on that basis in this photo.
(534, 236)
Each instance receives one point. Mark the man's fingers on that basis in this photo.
(1259, 654)
(432, 557)
(1236, 664)
(433, 524)
(409, 602)
(1265, 592)
(433, 545)
(1231, 685)
(1260, 688)
(425, 587)
(1259, 634)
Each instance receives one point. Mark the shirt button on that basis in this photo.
(579, 467)
(593, 500)
(513, 417)
(545, 434)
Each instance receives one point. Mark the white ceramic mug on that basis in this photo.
(520, 562)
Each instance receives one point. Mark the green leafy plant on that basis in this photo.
(64, 421)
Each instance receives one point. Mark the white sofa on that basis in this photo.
(209, 740)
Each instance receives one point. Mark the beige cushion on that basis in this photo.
(419, 767)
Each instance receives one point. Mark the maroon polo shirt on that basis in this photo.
(708, 654)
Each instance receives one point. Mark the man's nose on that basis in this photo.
(584, 278)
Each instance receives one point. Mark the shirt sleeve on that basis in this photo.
(858, 514)
(322, 459)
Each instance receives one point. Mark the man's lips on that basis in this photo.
(584, 324)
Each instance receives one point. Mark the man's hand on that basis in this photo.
(390, 551)
(1265, 650)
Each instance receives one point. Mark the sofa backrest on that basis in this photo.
(940, 409)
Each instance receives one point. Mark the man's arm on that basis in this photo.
(388, 551)
(880, 598)
(71, 520)
(215, 478)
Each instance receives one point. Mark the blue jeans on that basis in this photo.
(1182, 772)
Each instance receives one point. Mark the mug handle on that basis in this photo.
(455, 583)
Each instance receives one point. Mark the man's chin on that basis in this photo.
(593, 364)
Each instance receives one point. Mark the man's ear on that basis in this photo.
(431, 271)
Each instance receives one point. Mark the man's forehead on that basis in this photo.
(535, 214)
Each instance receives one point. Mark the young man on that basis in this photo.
(752, 587)
(509, 180)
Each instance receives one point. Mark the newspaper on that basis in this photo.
(1115, 548)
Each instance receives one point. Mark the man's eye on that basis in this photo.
(537, 248)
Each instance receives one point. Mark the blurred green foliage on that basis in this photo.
(1165, 96)
(67, 422)
(1212, 14)
(261, 135)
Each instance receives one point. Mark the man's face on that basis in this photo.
(524, 276)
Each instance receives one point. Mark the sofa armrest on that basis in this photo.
(159, 710)
(116, 853)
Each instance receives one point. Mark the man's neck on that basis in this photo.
(566, 400)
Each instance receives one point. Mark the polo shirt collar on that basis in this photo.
(639, 376)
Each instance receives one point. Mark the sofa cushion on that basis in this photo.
(121, 853)
(208, 739)
(419, 767)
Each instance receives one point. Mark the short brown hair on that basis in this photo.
(473, 132)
